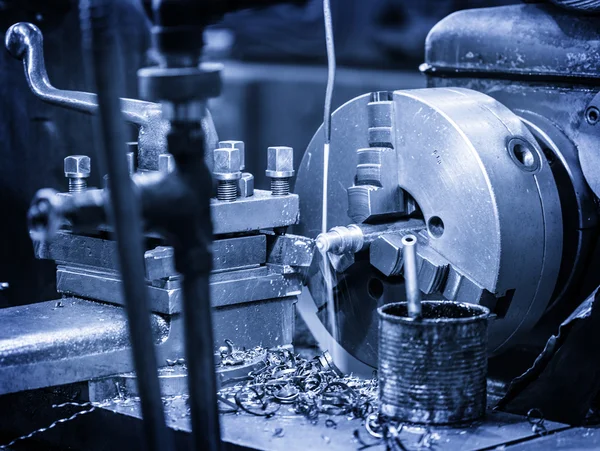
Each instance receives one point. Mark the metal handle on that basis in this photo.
(24, 41)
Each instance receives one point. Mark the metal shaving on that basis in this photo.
(308, 387)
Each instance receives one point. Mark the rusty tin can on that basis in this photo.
(433, 370)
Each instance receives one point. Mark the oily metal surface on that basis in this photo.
(433, 370)
(528, 40)
(64, 341)
(453, 159)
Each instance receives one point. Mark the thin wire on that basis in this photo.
(327, 110)
(92, 407)
(327, 272)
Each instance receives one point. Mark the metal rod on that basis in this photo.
(98, 30)
(202, 385)
(413, 293)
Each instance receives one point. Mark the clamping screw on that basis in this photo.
(227, 172)
(77, 170)
(236, 145)
(280, 168)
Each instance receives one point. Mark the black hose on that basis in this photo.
(99, 34)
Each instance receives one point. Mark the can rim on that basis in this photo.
(484, 313)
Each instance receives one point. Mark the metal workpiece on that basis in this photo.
(227, 171)
(356, 237)
(280, 169)
(433, 370)
(236, 145)
(77, 170)
(340, 240)
(24, 41)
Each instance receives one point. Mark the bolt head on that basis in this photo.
(280, 161)
(235, 145)
(227, 164)
(77, 166)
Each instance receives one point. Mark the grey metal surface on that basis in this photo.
(65, 341)
(260, 211)
(522, 40)
(467, 154)
(230, 288)
(556, 118)
(90, 432)
(433, 369)
(572, 439)
(298, 433)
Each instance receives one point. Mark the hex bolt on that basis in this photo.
(280, 168)
(227, 172)
(236, 145)
(77, 170)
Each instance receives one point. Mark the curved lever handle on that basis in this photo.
(24, 41)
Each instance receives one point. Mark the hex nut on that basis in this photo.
(280, 162)
(77, 166)
(227, 164)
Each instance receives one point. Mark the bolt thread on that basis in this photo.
(77, 185)
(280, 186)
(227, 190)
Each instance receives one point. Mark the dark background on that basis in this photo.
(273, 95)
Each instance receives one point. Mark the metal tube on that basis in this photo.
(97, 23)
(413, 293)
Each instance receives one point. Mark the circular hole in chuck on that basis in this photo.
(375, 288)
(435, 225)
(592, 115)
(524, 156)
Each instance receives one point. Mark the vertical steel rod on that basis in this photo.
(99, 34)
(413, 293)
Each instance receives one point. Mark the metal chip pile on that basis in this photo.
(310, 386)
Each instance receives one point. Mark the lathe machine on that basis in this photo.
(493, 167)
